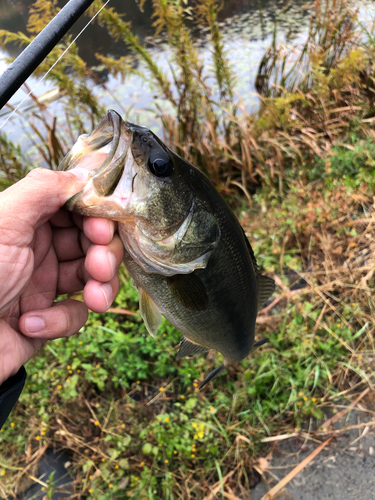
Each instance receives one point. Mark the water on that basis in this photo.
(246, 30)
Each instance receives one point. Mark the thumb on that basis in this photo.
(38, 196)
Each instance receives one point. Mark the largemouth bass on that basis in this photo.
(185, 249)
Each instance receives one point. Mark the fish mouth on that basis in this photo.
(102, 158)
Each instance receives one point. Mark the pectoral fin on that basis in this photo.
(188, 348)
(149, 312)
(266, 287)
(189, 291)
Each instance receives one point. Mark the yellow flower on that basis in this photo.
(166, 461)
(142, 464)
(159, 418)
(116, 466)
(69, 367)
(90, 490)
(59, 387)
(98, 365)
(57, 343)
(138, 382)
(44, 429)
(192, 455)
(70, 371)
(164, 334)
(166, 419)
(212, 408)
(161, 389)
(195, 384)
(123, 426)
(35, 374)
(200, 430)
(300, 394)
(182, 396)
(43, 433)
(110, 486)
(313, 400)
(12, 424)
(43, 488)
(103, 459)
(175, 452)
(80, 342)
(96, 422)
(305, 398)
(78, 371)
(3, 472)
(37, 438)
(52, 374)
(136, 478)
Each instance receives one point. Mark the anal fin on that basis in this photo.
(149, 312)
(187, 348)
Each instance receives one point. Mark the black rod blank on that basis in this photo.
(18, 72)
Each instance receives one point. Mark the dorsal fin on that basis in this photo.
(266, 287)
(251, 252)
(187, 348)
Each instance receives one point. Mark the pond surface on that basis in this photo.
(246, 26)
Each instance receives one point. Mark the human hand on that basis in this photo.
(45, 251)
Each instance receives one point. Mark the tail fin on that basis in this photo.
(212, 375)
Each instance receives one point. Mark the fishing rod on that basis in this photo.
(30, 58)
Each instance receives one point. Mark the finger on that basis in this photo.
(99, 230)
(99, 296)
(62, 320)
(72, 276)
(70, 243)
(36, 198)
(102, 261)
(63, 218)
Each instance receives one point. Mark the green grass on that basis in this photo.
(131, 414)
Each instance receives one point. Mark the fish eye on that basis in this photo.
(160, 165)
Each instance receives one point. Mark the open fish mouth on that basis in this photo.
(102, 158)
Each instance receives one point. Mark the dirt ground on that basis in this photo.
(344, 470)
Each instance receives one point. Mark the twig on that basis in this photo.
(341, 413)
(319, 319)
(121, 311)
(279, 486)
(217, 486)
(280, 437)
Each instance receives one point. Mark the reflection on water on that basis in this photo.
(246, 29)
(14, 16)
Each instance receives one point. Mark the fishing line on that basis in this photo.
(53, 65)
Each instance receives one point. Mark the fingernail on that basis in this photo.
(34, 324)
(107, 292)
(112, 261)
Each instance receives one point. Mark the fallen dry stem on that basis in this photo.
(279, 486)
